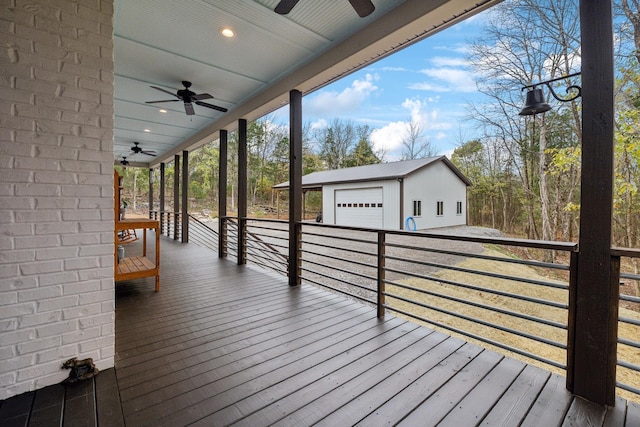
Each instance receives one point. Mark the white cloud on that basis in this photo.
(429, 87)
(319, 124)
(333, 103)
(447, 61)
(456, 79)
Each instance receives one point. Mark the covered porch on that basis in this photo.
(226, 344)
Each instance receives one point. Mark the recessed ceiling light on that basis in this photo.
(227, 32)
(163, 111)
(147, 130)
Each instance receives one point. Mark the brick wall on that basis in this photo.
(56, 190)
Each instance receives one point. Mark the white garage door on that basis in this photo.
(360, 207)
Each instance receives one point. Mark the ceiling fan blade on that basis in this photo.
(215, 107)
(363, 7)
(149, 153)
(285, 6)
(188, 108)
(201, 96)
(166, 100)
(165, 91)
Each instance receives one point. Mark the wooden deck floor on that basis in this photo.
(223, 344)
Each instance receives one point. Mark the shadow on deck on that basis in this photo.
(223, 344)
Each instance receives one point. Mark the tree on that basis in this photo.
(363, 153)
(414, 144)
(335, 141)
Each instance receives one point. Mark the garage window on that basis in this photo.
(417, 208)
(459, 208)
(439, 208)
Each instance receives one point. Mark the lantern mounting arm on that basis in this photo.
(575, 89)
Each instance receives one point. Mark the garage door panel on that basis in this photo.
(360, 207)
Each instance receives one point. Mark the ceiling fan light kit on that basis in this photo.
(362, 7)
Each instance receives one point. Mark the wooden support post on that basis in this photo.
(242, 191)
(185, 198)
(222, 196)
(295, 186)
(150, 193)
(381, 273)
(161, 207)
(596, 301)
(176, 194)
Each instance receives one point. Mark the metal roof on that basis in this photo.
(375, 172)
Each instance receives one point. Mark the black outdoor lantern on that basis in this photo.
(535, 102)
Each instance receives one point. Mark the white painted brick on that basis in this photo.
(37, 164)
(54, 127)
(87, 167)
(39, 294)
(7, 189)
(16, 283)
(37, 371)
(81, 264)
(55, 253)
(16, 95)
(16, 175)
(96, 203)
(81, 287)
(81, 239)
(58, 228)
(8, 325)
(63, 352)
(58, 278)
(96, 273)
(40, 319)
(36, 139)
(6, 244)
(92, 321)
(58, 303)
(15, 337)
(96, 226)
(54, 177)
(94, 250)
(81, 311)
(8, 271)
(36, 242)
(107, 351)
(80, 191)
(29, 189)
(39, 86)
(24, 110)
(81, 215)
(15, 257)
(95, 297)
(78, 94)
(14, 122)
(16, 363)
(53, 52)
(37, 216)
(32, 33)
(55, 102)
(80, 142)
(8, 298)
(7, 352)
(56, 330)
(16, 230)
(81, 335)
(56, 203)
(7, 379)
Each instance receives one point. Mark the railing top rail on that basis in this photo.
(626, 252)
(508, 241)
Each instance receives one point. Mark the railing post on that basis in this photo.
(176, 194)
(222, 237)
(242, 241)
(571, 318)
(295, 186)
(150, 192)
(184, 214)
(161, 201)
(381, 273)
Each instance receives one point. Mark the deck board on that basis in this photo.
(225, 344)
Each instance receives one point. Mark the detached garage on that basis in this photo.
(412, 194)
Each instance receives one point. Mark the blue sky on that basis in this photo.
(429, 82)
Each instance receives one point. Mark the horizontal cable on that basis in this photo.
(487, 290)
(479, 305)
(481, 273)
(480, 338)
(350, 272)
(338, 280)
(338, 290)
(484, 323)
(340, 249)
(362, 264)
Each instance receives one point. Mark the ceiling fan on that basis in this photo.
(189, 98)
(138, 150)
(362, 7)
(124, 161)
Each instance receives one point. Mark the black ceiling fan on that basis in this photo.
(362, 7)
(189, 98)
(138, 150)
(124, 161)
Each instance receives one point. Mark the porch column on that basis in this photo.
(185, 197)
(592, 358)
(150, 193)
(176, 194)
(242, 190)
(295, 185)
(222, 196)
(161, 207)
